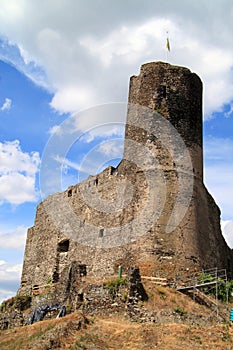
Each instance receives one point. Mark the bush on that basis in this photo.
(114, 285)
(21, 302)
(179, 310)
(3, 306)
(224, 288)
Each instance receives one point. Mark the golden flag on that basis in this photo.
(167, 44)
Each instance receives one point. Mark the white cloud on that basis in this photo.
(67, 163)
(101, 121)
(10, 272)
(218, 149)
(6, 105)
(227, 229)
(17, 173)
(129, 50)
(55, 130)
(9, 279)
(229, 113)
(88, 50)
(13, 239)
(6, 294)
(218, 172)
(112, 148)
(91, 162)
(70, 98)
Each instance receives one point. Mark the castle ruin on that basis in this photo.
(166, 222)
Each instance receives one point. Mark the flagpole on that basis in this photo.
(167, 47)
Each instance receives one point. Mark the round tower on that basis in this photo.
(176, 94)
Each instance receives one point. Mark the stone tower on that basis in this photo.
(156, 212)
(176, 94)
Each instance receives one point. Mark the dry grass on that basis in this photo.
(54, 334)
(128, 336)
(163, 298)
(113, 332)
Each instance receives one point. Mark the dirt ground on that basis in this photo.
(116, 332)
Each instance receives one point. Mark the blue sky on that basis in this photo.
(59, 57)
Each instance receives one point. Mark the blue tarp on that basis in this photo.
(40, 312)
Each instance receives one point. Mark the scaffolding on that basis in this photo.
(204, 286)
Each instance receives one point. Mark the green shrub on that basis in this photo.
(114, 285)
(198, 339)
(49, 280)
(225, 289)
(2, 306)
(162, 294)
(179, 310)
(21, 302)
(227, 337)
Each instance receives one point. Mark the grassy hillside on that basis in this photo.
(114, 333)
(181, 324)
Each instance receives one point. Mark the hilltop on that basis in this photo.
(181, 324)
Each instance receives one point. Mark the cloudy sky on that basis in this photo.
(61, 56)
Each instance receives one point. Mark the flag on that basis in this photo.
(167, 45)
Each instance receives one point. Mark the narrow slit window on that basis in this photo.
(164, 91)
(101, 233)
